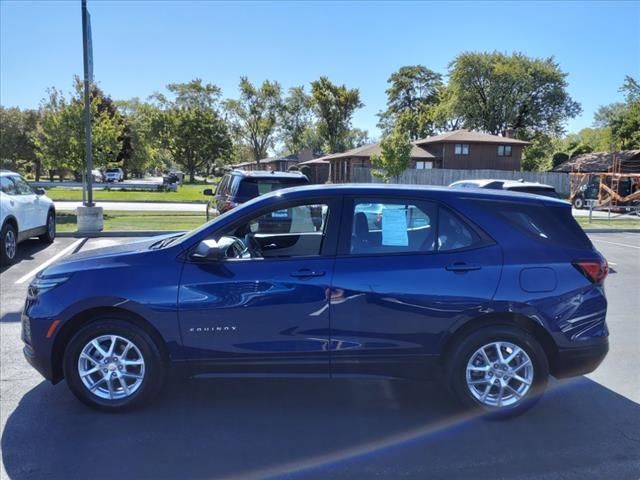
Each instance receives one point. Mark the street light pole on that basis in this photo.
(87, 105)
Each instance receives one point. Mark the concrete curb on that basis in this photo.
(138, 233)
(611, 230)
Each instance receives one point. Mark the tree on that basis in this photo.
(494, 92)
(141, 144)
(412, 96)
(296, 117)
(60, 142)
(17, 131)
(559, 158)
(195, 137)
(623, 119)
(189, 126)
(334, 106)
(357, 137)
(396, 154)
(254, 116)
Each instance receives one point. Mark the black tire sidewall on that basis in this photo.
(4, 259)
(578, 203)
(155, 369)
(461, 353)
(45, 237)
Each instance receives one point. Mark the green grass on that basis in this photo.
(185, 193)
(606, 223)
(115, 220)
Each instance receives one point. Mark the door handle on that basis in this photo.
(306, 273)
(463, 267)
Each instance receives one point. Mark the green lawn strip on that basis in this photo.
(606, 223)
(116, 220)
(185, 193)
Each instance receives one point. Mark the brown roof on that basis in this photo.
(315, 161)
(602, 162)
(366, 151)
(467, 136)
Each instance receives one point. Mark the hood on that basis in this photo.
(107, 257)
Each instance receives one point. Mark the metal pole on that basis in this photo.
(87, 107)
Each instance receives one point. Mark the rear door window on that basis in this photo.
(254, 187)
(408, 226)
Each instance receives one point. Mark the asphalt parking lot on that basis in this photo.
(584, 428)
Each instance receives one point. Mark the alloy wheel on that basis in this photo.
(111, 367)
(499, 374)
(10, 244)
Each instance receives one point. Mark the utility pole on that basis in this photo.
(88, 73)
(89, 216)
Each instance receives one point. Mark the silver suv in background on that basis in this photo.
(114, 175)
(511, 185)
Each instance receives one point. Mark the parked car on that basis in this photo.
(511, 185)
(492, 294)
(114, 175)
(24, 212)
(239, 186)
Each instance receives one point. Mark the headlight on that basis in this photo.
(43, 284)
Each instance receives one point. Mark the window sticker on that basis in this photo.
(394, 227)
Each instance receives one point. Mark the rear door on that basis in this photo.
(399, 287)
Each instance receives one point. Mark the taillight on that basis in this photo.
(594, 270)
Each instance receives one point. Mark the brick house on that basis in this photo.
(460, 149)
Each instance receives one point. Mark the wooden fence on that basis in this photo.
(442, 176)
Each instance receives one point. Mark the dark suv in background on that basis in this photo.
(239, 186)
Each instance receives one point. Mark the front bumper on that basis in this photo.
(41, 364)
(571, 362)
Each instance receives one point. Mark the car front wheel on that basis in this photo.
(8, 244)
(500, 370)
(112, 365)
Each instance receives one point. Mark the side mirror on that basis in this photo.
(39, 191)
(209, 250)
(207, 191)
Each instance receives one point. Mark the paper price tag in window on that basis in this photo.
(394, 228)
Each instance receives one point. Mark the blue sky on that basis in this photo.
(140, 46)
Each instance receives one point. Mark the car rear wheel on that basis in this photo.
(578, 202)
(50, 234)
(8, 244)
(113, 365)
(500, 370)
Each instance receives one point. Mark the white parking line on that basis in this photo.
(44, 265)
(615, 243)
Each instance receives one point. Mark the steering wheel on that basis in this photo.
(252, 245)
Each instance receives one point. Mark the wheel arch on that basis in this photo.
(503, 318)
(86, 317)
(11, 220)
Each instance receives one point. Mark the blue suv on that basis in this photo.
(490, 291)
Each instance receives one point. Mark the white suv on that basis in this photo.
(114, 175)
(24, 212)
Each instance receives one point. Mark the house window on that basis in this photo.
(422, 165)
(504, 150)
(461, 149)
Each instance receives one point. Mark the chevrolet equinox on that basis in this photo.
(489, 291)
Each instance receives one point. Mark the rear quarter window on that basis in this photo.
(545, 223)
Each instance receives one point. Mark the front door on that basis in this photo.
(269, 311)
(406, 272)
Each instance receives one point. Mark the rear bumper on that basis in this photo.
(571, 362)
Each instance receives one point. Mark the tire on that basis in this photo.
(8, 244)
(143, 382)
(50, 235)
(465, 357)
(578, 202)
